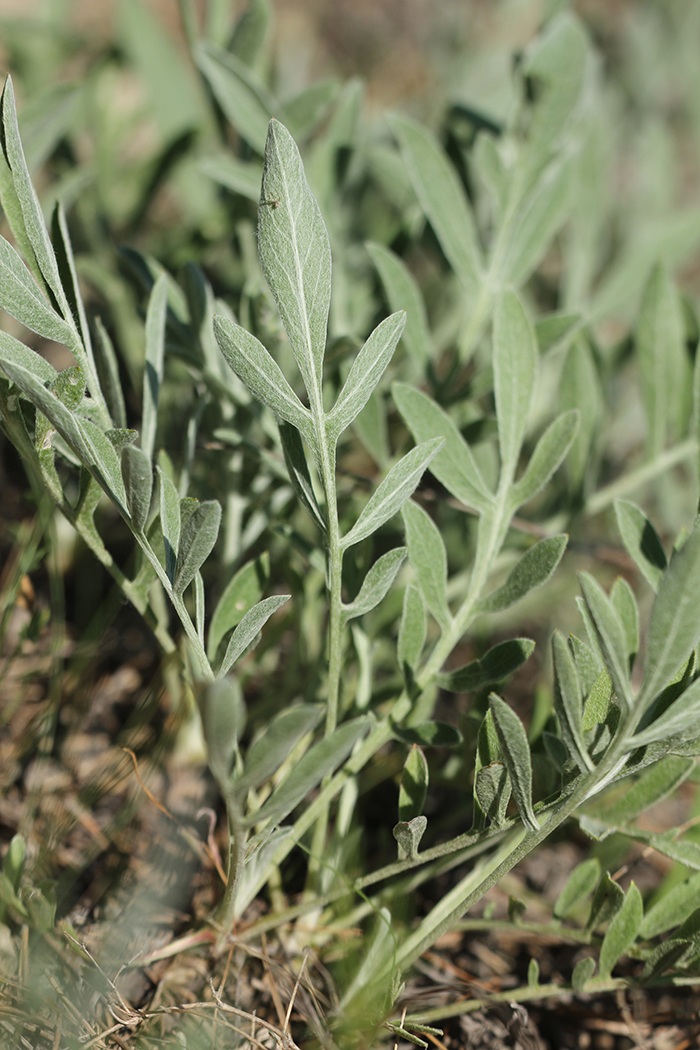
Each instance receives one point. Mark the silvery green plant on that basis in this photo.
(304, 766)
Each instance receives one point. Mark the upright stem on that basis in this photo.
(226, 912)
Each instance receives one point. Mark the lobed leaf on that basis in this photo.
(391, 494)
(408, 834)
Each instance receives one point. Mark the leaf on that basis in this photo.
(428, 558)
(454, 466)
(412, 630)
(654, 784)
(672, 909)
(31, 215)
(534, 568)
(408, 834)
(298, 470)
(223, 720)
(550, 452)
(492, 790)
(376, 583)
(580, 388)
(622, 931)
(588, 664)
(137, 473)
(538, 219)
(248, 629)
(13, 864)
(103, 461)
(610, 634)
(403, 293)
(250, 31)
(580, 884)
(607, 901)
(568, 702)
(414, 785)
(429, 734)
(170, 521)
(295, 254)
(498, 663)
(682, 716)
(197, 541)
(623, 599)
(241, 593)
(67, 425)
(267, 753)
(674, 628)
(309, 771)
(582, 973)
(515, 360)
(441, 196)
(366, 371)
(660, 340)
(14, 352)
(108, 371)
(551, 328)
(260, 372)
(153, 372)
(307, 109)
(641, 541)
(245, 101)
(390, 495)
(68, 274)
(23, 300)
(516, 753)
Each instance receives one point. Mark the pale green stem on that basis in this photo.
(226, 912)
(636, 478)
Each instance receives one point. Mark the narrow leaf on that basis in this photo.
(197, 541)
(408, 834)
(454, 465)
(223, 720)
(170, 521)
(672, 909)
(622, 931)
(412, 630)
(398, 486)
(515, 367)
(241, 593)
(295, 253)
(414, 785)
(376, 583)
(137, 473)
(661, 353)
(550, 452)
(108, 371)
(674, 628)
(426, 552)
(267, 753)
(568, 701)
(441, 196)
(248, 629)
(641, 541)
(153, 372)
(610, 634)
(318, 761)
(537, 221)
(516, 753)
(15, 353)
(429, 734)
(495, 665)
(246, 103)
(260, 372)
(683, 716)
(622, 597)
(403, 293)
(367, 369)
(534, 568)
(24, 300)
(298, 470)
(580, 884)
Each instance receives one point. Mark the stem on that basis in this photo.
(226, 912)
(647, 472)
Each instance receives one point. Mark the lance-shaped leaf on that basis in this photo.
(674, 628)
(33, 228)
(580, 884)
(309, 771)
(622, 931)
(170, 521)
(641, 541)
(108, 371)
(15, 353)
(137, 473)
(549, 453)
(245, 101)
(414, 785)
(196, 542)
(398, 486)
(441, 196)
(241, 593)
(67, 425)
(514, 369)
(260, 372)
(610, 635)
(403, 293)
(454, 465)
(672, 909)
(153, 372)
(68, 274)
(622, 597)
(683, 716)
(495, 665)
(376, 583)
(426, 552)
(295, 253)
(662, 358)
(223, 720)
(538, 219)
(534, 568)
(429, 734)
(588, 663)
(366, 371)
(23, 300)
(103, 461)
(568, 701)
(492, 787)
(412, 630)
(516, 753)
(248, 629)
(267, 753)
(298, 470)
